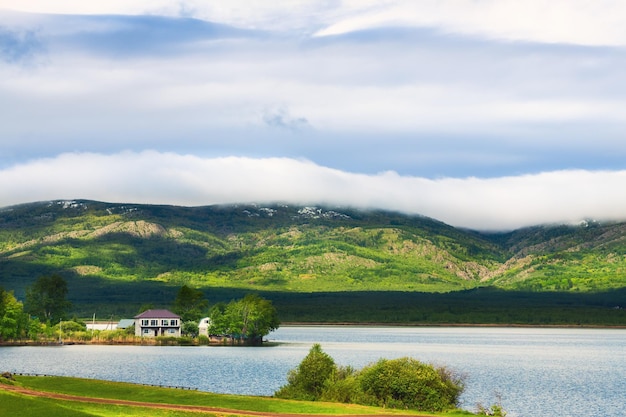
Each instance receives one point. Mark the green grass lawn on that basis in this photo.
(24, 406)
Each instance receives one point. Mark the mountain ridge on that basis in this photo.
(103, 247)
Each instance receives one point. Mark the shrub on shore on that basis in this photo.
(404, 383)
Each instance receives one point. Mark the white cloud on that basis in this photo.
(167, 178)
(354, 91)
(546, 21)
(582, 22)
(409, 98)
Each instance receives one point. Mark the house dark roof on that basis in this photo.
(157, 314)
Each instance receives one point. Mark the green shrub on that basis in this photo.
(308, 380)
(185, 341)
(69, 327)
(400, 383)
(166, 340)
(411, 384)
(342, 386)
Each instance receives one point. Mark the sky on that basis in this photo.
(484, 114)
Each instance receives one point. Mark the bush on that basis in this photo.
(400, 383)
(166, 340)
(308, 380)
(411, 384)
(69, 327)
(185, 341)
(343, 387)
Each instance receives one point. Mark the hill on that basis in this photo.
(129, 254)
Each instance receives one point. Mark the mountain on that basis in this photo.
(132, 253)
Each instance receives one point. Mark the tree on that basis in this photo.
(249, 319)
(219, 321)
(13, 321)
(307, 381)
(254, 316)
(190, 328)
(35, 329)
(46, 298)
(190, 304)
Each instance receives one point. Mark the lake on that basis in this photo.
(535, 371)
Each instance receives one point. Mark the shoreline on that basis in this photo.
(494, 325)
(152, 342)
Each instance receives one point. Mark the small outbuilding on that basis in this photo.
(152, 323)
(203, 326)
(125, 324)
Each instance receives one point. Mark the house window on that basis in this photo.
(173, 322)
(171, 331)
(154, 322)
(164, 322)
(146, 331)
(144, 322)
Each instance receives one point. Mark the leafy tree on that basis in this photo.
(46, 298)
(250, 318)
(13, 321)
(190, 328)
(35, 329)
(219, 321)
(190, 304)
(256, 316)
(307, 381)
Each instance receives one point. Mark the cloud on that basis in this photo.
(279, 117)
(139, 36)
(447, 98)
(20, 46)
(579, 22)
(168, 178)
(558, 21)
(113, 82)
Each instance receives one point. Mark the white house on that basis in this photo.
(203, 326)
(154, 323)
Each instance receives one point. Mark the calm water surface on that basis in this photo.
(547, 372)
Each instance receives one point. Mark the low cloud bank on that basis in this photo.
(166, 178)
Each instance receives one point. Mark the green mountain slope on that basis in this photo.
(123, 253)
(587, 257)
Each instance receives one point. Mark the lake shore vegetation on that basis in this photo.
(29, 405)
(403, 383)
(240, 322)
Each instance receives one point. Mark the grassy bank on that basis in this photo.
(22, 405)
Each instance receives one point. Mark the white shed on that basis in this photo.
(203, 326)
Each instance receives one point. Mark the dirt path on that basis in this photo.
(191, 408)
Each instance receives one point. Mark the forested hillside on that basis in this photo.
(129, 254)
